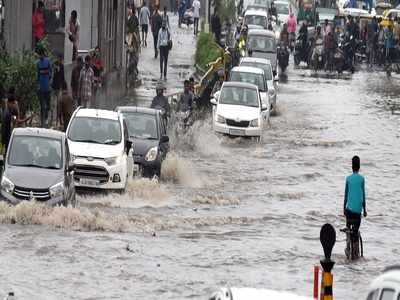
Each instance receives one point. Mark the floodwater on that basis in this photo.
(227, 211)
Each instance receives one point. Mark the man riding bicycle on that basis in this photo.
(354, 197)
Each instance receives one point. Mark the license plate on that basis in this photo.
(89, 182)
(236, 132)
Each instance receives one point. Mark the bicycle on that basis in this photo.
(354, 243)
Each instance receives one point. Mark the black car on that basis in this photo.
(38, 167)
(148, 132)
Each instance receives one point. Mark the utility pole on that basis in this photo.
(207, 18)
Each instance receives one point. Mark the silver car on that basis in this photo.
(261, 43)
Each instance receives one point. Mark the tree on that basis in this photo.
(226, 9)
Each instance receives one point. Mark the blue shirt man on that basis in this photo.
(44, 71)
(354, 196)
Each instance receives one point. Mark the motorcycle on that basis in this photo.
(283, 57)
(317, 57)
(188, 18)
(302, 52)
(183, 120)
(361, 51)
(343, 58)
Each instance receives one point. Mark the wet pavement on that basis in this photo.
(227, 211)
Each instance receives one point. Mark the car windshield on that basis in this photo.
(253, 78)
(261, 43)
(141, 125)
(239, 96)
(282, 8)
(95, 130)
(256, 20)
(33, 151)
(266, 68)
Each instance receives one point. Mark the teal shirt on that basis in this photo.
(354, 196)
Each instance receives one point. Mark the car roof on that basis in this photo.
(256, 60)
(256, 12)
(40, 132)
(265, 32)
(97, 113)
(144, 110)
(239, 84)
(246, 69)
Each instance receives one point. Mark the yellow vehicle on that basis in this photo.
(388, 16)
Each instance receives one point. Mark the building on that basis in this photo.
(102, 24)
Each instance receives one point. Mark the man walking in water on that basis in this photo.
(354, 196)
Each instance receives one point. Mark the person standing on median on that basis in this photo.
(76, 73)
(144, 20)
(156, 23)
(164, 44)
(196, 15)
(86, 81)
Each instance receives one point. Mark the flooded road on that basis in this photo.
(227, 211)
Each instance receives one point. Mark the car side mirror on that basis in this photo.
(164, 139)
(129, 144)
(213, 101)
(71, 167)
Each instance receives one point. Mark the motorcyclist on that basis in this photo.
(220, 81)
(318, 43)
(160, 101)
(243, 41)
(372, 39)
(329, 50)
(284, 36)
(186, 99)
(272, 10)
(303, 34)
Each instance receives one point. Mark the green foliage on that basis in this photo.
(19, 70)
(226, 10)
(207, 50)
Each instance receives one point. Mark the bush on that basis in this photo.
(207, 50)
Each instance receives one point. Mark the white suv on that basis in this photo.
(100, 148)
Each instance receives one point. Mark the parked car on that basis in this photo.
(238, 110)
(254, 76)
(148, 131)
(256, 18)
(261, 43)
(272, 82)
(38, 167)
(100, 148)
(386, 286)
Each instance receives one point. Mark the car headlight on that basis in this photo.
(152, 154)
(57, 190)
(7, 185)
(111, 160)
(220, 119)
(254, 123)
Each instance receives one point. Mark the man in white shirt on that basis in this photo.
(196, 15)
(144, 20)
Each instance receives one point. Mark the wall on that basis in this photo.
(88, 19)
(18, 25)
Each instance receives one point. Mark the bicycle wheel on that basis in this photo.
(361, 246)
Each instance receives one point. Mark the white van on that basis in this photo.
(100, 149)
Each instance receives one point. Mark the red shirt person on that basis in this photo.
(38, 24)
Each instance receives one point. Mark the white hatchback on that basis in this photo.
(386, 286)
(239, 111)
(100, 149)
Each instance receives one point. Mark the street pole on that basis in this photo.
(207, 18)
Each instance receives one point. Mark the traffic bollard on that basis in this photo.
(328, 239)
